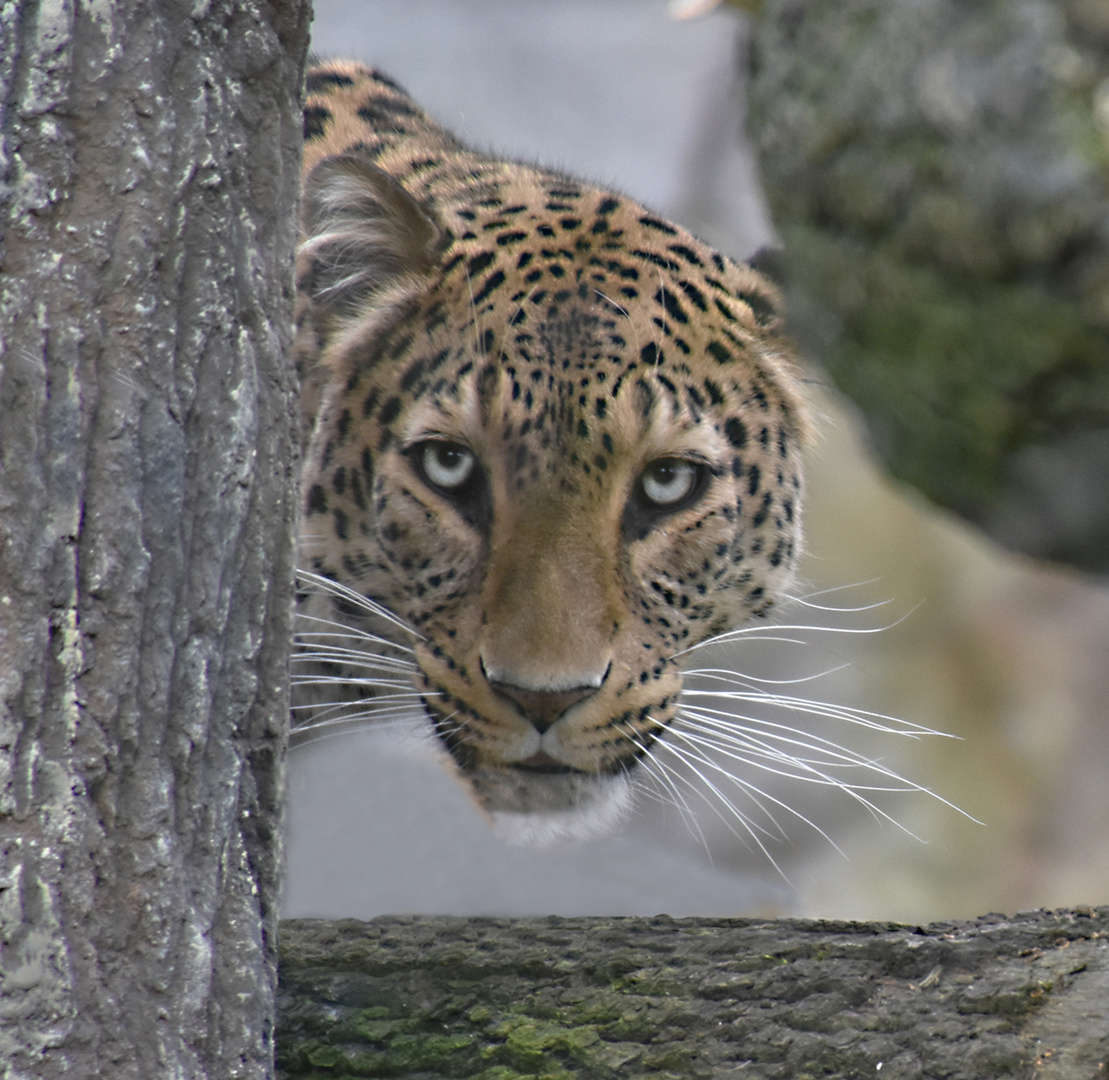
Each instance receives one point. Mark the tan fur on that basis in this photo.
(573, 348)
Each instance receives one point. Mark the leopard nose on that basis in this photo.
(543, 707)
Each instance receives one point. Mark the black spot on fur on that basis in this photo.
(720, 353)
(315, 122)
(736, 431)
(322, 81)
(390, 410)
(479, 262)
(493, 281)
(317, 500)
(658, 226)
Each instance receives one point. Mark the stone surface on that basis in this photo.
(629, 998)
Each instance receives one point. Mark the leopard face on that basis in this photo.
(554, 443)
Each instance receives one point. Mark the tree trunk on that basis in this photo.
(663, 998)
(938, 174)
(147, 458)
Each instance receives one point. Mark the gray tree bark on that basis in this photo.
(938, 174)
(147, 456)
(593, 999)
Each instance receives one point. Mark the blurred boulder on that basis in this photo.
(938, 173)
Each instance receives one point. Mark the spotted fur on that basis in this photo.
(579, 356)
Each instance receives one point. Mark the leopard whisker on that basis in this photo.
(336, 630)
(355, 598)
(340, 726)
(873, 721)
(657, 771)
(358, 658)
(694, 751)
(752, 752)
(774, 632)
(724, 808)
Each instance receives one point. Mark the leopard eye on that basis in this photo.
(445, 465)
(668, 481)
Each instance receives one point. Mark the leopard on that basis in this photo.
(553, 442)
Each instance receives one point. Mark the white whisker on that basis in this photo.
(363, 603)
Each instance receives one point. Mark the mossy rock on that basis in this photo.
(939, 175)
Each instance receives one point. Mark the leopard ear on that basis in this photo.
(362, 232)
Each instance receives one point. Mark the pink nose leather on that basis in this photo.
(542, 707)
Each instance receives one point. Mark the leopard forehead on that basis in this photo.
(566, 315)
(568, 338)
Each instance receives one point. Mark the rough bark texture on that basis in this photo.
(938, 173)
(629, 998)
(147, 453)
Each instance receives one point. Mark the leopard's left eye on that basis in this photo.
(446, 465)
(667, 482)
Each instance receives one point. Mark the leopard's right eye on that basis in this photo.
(444, 465)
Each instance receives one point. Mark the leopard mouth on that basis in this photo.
(542, 763)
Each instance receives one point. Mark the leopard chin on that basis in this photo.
(545, 810)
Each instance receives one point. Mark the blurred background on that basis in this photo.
(1010, 656)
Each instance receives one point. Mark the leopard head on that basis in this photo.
(555, 437)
